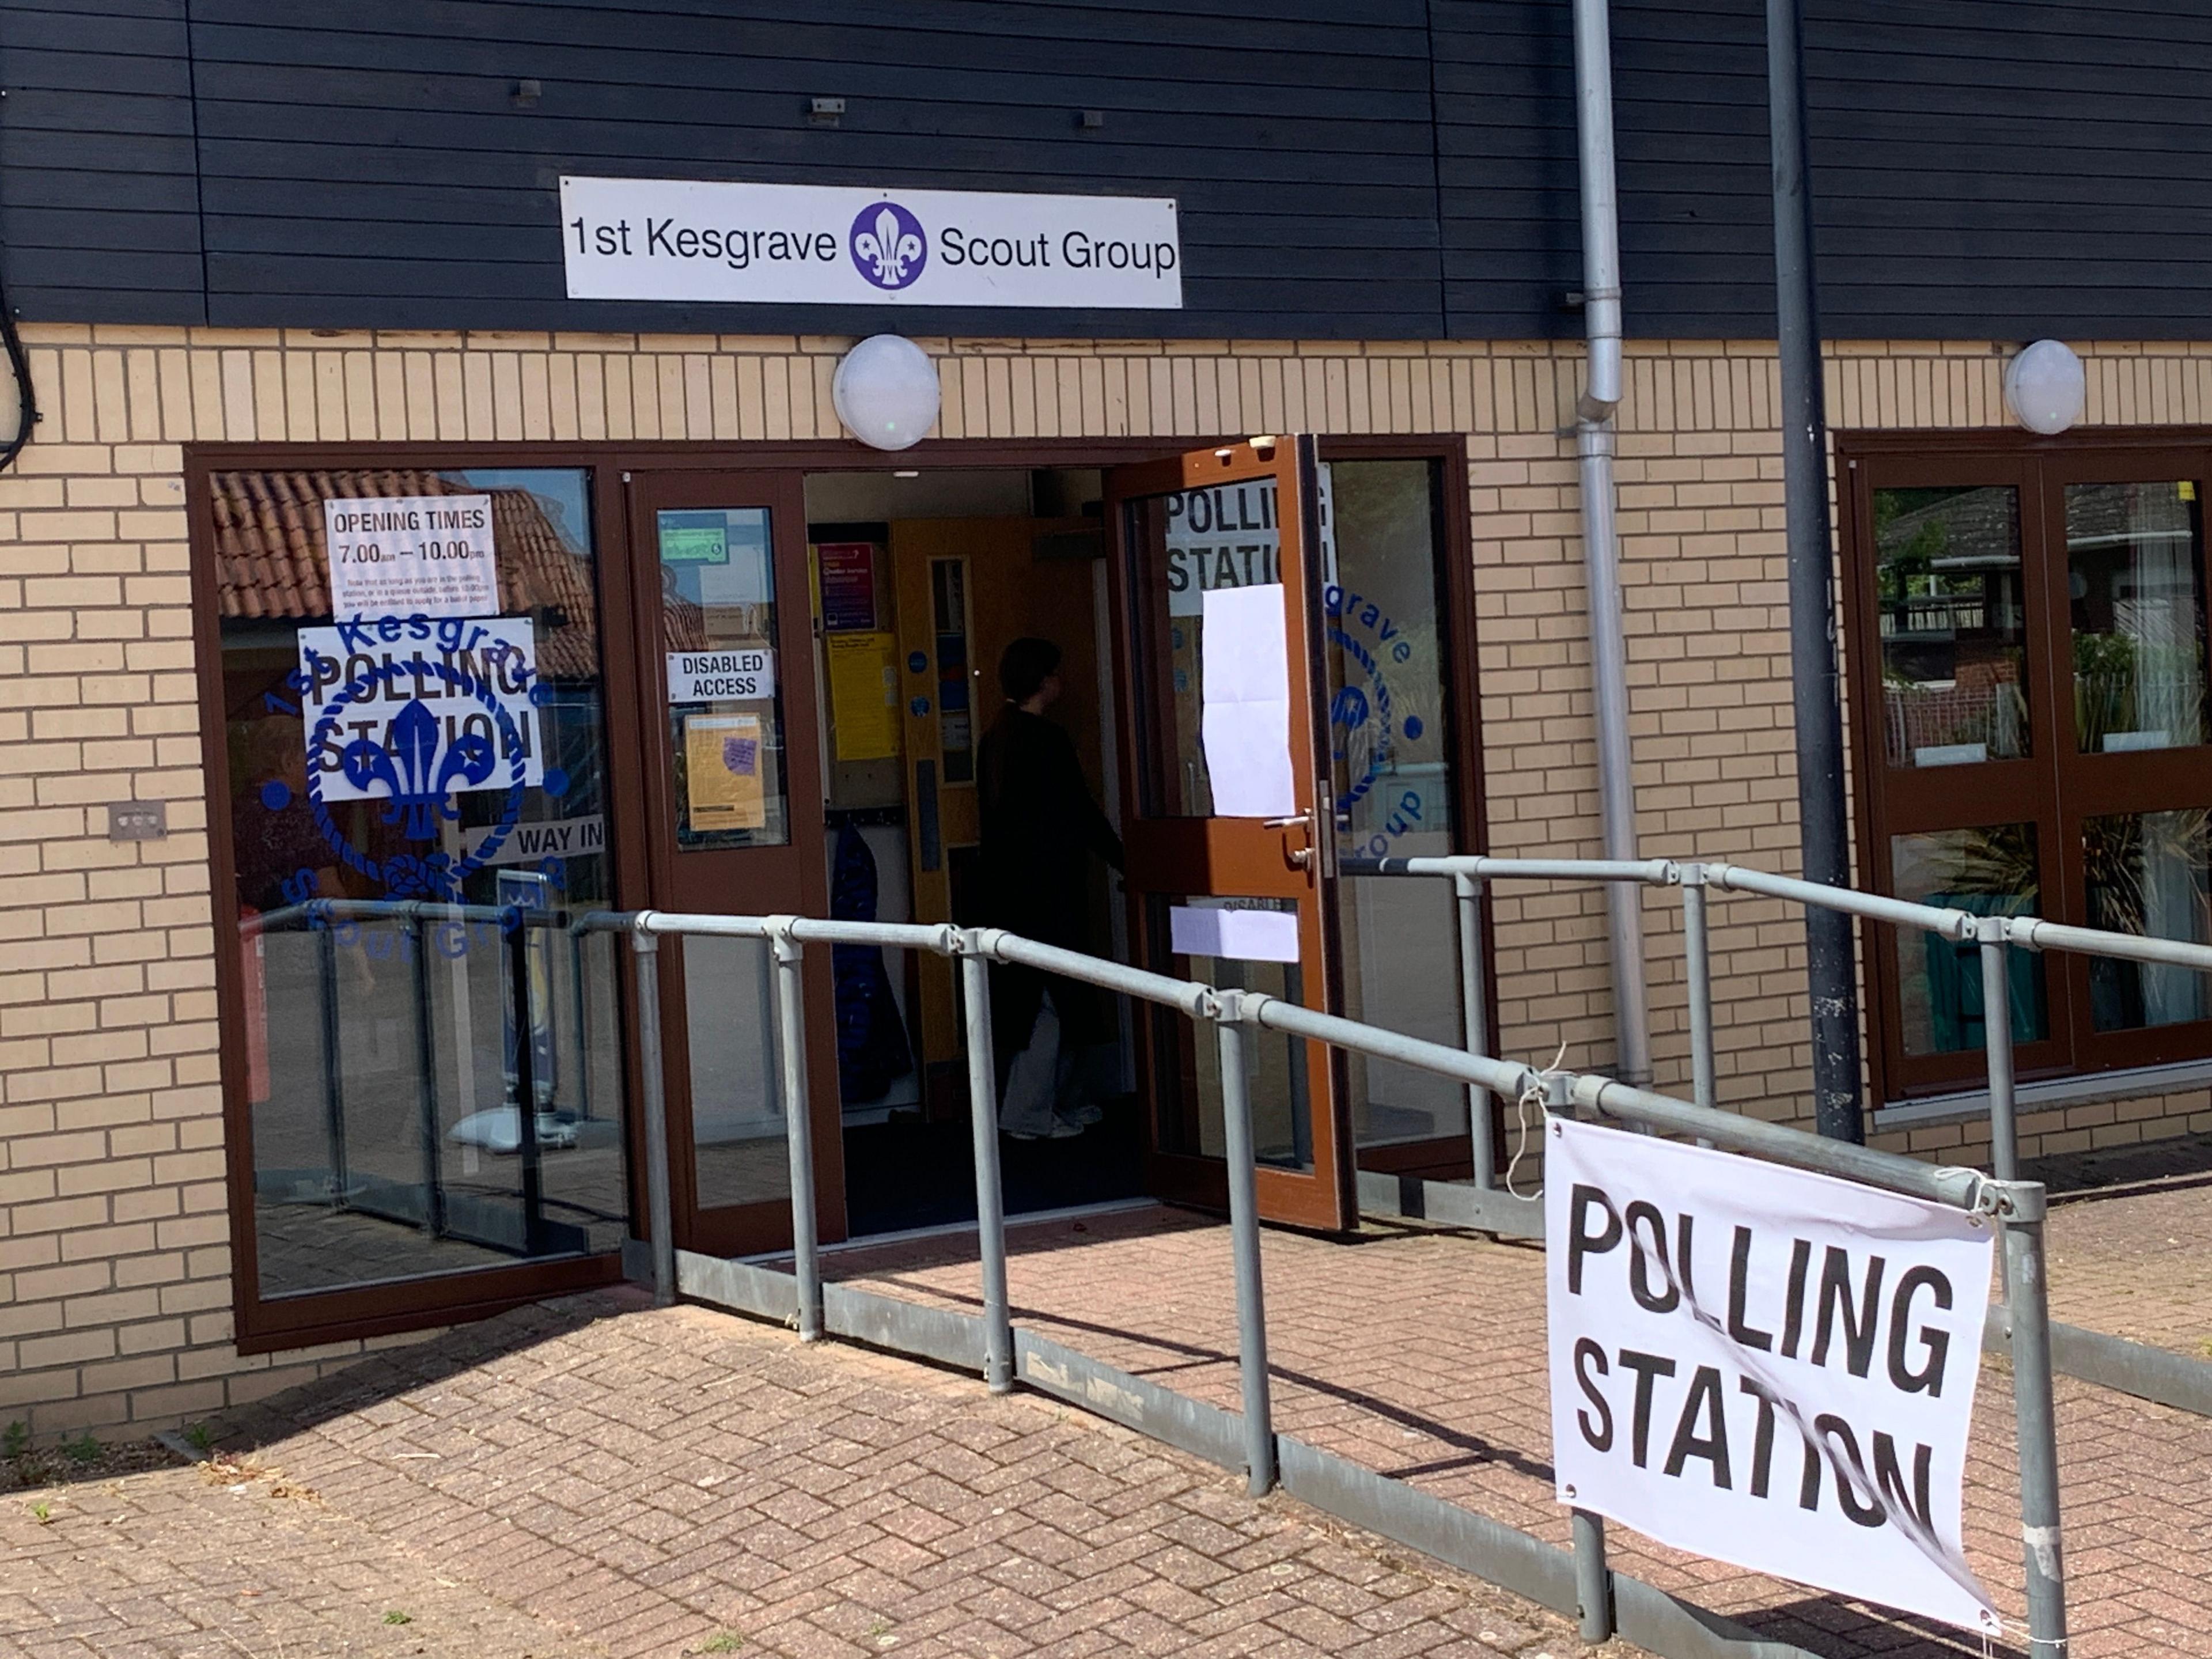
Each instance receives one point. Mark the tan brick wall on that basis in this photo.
(114, 1253)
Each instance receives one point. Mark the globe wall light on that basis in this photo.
(886, 391)
(2045, 387)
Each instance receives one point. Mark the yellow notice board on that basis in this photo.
(722, 772)
(864, 695)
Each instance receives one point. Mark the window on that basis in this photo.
(416, 802)
(2029, 674)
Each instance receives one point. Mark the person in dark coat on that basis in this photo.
(1040, 829)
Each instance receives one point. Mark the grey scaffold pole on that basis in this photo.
(1474, 1005)
(791, 1037)
(1697, 965)
(1244, 1240)
(1997, 1034)
(990, 1193)
(645, 948)
(2026, 1302)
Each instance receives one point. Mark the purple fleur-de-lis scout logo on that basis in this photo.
(418, 770)
(888, 245)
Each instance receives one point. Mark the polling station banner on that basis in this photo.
(1765, 1366)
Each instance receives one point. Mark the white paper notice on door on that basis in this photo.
(1245, 714)
(1229, 928)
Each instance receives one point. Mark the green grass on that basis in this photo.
(728, 1642)
(396, 1617)
(15, 1441)
(42, 1513)
(199, 1436)
(83, 1449)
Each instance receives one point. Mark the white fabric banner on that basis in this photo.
(1765, 1366)
(1244, 719)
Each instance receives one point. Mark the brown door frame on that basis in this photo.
(294, 1321)
(2060, 781)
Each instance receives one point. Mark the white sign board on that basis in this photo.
(472, 682)
(411, 555)
(1233, 929)
(691, 239)
(1220, 536)
(1765, 1366)
(742, 674)
(1244, 713)
(527, 842)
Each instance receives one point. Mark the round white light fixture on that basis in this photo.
(886, 391)
(2045, 387)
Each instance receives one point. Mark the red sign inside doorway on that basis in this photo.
(848, 584)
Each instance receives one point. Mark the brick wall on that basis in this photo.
(114, 1252)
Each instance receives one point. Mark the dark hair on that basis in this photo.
(1024, 667)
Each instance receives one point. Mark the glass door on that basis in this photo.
(1228, 822)
(735, 794)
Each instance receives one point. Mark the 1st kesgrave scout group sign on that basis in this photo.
(1765, 1366)
(691, 239)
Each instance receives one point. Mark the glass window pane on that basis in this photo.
(1953, 628)
(383, 769)
(725, 693)
(1182, 547)
(2134, 576)
(1389, 748)
(1989, 872)
(1282, 1120)
(2149, 873)
(740, 1147)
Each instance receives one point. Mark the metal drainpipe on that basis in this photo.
(1593, 448)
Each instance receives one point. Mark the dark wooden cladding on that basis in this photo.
(1401, 169)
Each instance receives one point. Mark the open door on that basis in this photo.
(733, 809)
(1228, 819)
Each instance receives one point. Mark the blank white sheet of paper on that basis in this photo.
(1245, 718)
(1236, 934)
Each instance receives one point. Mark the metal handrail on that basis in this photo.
(2018, 1203)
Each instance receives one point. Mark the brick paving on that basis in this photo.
(1420, 1353)
(592, 1480)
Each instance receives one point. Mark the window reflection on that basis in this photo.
(1383, 603)
(417, 804)
(2134, 573)
(1987, 871)
(2149, 873)
(1954, 626)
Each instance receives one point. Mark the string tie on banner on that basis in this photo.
(1531, 1101)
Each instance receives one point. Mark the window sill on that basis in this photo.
(2048, 1094)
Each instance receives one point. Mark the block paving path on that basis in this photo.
(592, 1479)
(1420, 1353)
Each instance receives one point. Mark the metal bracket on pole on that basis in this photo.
(791, 1036)
(1230, 1011)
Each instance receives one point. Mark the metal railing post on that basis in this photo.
(334, 1114)
(1245, 1241)
(1474, 1005)
(426, 1067)
(658, 1210)
(990, 1193)
(1593, 1581)
(1996, 1036)
(2027, 1303)
(791, 1033)
(1704, 1086)
(525, 1087)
